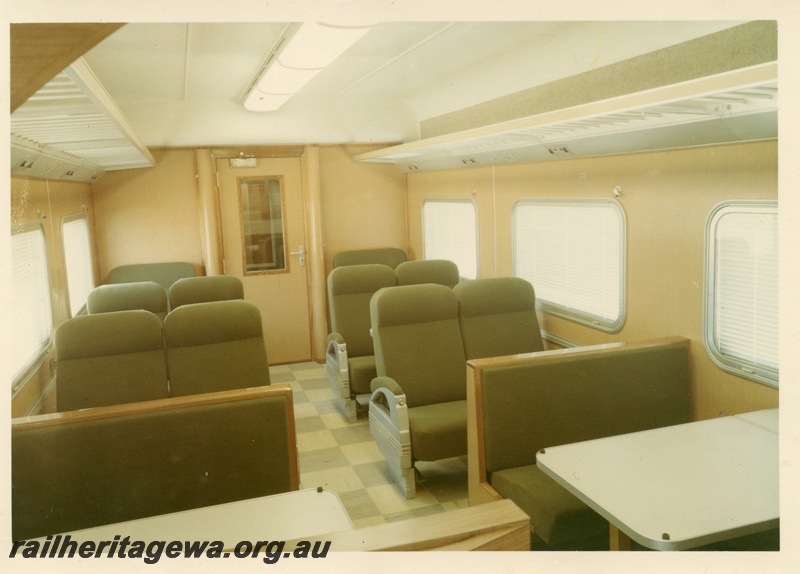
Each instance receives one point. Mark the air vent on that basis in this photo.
(732, 107)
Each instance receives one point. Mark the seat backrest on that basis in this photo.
(548, 399)
(498, 317)
(350, 289)
(418, 342)
(146, 295)
(214, 347)
(163, 273)
(390, 256)
(205, 289)
(440, 271)
(76, 470)
(108, 359)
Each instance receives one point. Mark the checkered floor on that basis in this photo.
(344, 458)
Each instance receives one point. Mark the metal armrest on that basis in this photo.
(388, 423)
(339, 375)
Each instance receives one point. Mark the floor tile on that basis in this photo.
(344, 458)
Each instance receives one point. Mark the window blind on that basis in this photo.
(31, 311)
(450, 232)
(742, 292)
(572, 251)
(78, 258)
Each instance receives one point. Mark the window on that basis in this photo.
(262, 225)
(450, 231)
(78, 259)
(741, 294)
(30, 301)
(573, 252)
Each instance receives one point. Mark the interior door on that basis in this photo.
(263, 229)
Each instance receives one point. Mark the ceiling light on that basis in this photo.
(301, 53)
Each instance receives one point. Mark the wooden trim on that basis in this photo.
(500, 525)
(587, 351)
(286, 249)
(158, 405)
(617, 539)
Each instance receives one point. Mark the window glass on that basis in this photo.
(78, 259)
(741, 303)
(262, 224)
(30, 312)
(573, 252)
(450, 231)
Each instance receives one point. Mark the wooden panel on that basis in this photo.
(150, 215)
(667, 197)
(363, 205)
(40, 51)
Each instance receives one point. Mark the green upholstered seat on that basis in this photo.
(215, 346)
(205, 289)
(557, 516)
(498, 317)
(145, 295)
(389, 256)
(163, 273)
(418, 406)
(350, 354)
(112, 464)
(109, 358)
(555, 399)
(439, 271)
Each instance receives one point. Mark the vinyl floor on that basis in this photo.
(344, 458)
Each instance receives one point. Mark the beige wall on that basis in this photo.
(666, 197)
(363, 204)
(48, 202)
(150, 215)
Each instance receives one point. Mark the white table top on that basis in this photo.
(287, 516)
(767, 419)
(677, 487)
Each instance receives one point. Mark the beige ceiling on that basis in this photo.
(182, 84)
(408, 83)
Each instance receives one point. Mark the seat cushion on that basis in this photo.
(438, 430)
(362, 371)
(556, 515)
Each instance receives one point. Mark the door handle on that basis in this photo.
(301, 251)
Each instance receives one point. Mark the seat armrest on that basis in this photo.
(388, 423)
(335, 337)
(336, 357)
(389, 384)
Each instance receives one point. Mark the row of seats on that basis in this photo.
(165, 274)
(130, 356)
(154, 297)
(350, 355)
(423, 337)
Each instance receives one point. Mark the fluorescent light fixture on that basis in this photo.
(297, 58)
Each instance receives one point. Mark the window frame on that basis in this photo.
(574, 314)
(24, 372)
(453, 200)
(753, 371)
(64, 221)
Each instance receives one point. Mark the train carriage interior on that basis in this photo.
(405, 263)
